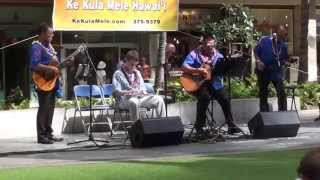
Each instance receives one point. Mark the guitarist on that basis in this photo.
(42, 54)
(206, 53)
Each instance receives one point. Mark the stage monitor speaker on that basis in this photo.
(156, 132)
(274, 124)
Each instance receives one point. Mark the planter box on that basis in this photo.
(242, 109)
(74, 125)
(22, 123)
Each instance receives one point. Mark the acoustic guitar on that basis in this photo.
(191, 82)
(48, 85)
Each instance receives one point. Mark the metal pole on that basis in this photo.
(162, 56)
(3, 73)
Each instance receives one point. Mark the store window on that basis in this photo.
(192, 19)
(17, 23)
(104, 48)
(268, 19)
(187, 38)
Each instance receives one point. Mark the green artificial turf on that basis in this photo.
(280, 165)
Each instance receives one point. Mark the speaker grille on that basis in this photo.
(274, 124)
(156, 132)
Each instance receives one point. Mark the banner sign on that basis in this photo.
(115, 15)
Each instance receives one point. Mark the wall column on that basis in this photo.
(312, 42)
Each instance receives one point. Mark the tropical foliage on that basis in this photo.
(180, 95)
(247, 87)
(234, 25)
(16, 100)
(309, 94)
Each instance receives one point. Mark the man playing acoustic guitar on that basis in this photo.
(196, 64)
(42, 55)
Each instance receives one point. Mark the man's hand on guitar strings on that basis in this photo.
(51, 73)
(69, 61)
(54, 61)
(203, 71)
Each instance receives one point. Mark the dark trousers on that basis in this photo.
(45, 113)
(263, 83)
(204, 95)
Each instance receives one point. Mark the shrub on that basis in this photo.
(16, 100)
(309, 95)
(180, 95)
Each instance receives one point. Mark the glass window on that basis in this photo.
(191, 19)
(101, 37)
(268, 19)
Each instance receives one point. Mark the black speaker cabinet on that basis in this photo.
(274, 124)
(156, 132)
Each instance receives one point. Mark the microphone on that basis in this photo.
(78, 37)
(276, 50)
(274, 36)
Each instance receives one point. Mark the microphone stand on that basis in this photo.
(166, 87)
(228, 69)
(90, 136)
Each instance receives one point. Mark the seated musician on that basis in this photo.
(130, 90)
(206, 53)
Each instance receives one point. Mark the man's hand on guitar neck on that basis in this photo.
(69, 61)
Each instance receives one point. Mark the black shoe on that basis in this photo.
(45, 141)
(56, 139)
(201, 134)
(234, 130)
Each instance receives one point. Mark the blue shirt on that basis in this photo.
(41, 54)
(268, 55)
(194, 60)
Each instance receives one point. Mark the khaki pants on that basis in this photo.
(133, 104)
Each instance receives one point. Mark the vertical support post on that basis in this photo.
(3, 59)
(312, 42)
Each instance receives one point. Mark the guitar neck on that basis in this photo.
(66, 60)
(62, 64)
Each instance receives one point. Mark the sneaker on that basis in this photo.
(45, 141)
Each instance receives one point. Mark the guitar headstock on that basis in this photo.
(81, 48)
